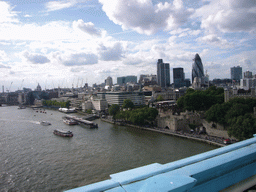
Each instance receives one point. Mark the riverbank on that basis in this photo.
(212, 140)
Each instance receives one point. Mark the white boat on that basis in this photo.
(66, 110)
(69, 121)
(45, 123)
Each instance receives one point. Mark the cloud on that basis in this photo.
(58, 5)
(36, 58)
(215, 40)
(144, 17)
(79, 59)
(7, 15)
(3, 56)
(87, 27)
(4, 66)
(229, 16)
(113, 53)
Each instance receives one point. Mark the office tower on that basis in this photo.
(178, 77)
(148, 80)
(197, 69)
(236, 73)
(126, 79)
(163, 73)
(247, 74)
(109, 82)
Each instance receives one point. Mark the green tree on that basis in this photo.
(159, 98)
(113, 110)
(128, 104)
(242, 127)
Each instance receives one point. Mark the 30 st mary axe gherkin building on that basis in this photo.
(197, 68)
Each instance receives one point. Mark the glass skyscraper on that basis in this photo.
(236, 73)
(197, 69)
(178, 77)
(163, 73)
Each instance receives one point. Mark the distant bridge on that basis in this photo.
(229, 168)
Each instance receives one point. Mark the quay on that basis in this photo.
(229, 168)
(91, 124)
(212, 141)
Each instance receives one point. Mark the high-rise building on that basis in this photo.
(197, 69)
(124, 80)
(247, 74)
(163, 73)
(178, 77)
(236, 73)
(148, 80)
(109, 81)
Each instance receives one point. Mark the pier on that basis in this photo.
(229, 168)
(91, 124)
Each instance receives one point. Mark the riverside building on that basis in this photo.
(118, 98)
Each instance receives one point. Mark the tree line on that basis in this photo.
(129, 114)
(54, 103)
(236, 115)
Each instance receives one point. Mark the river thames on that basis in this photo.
(34, 159)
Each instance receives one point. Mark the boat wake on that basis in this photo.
(35, 122)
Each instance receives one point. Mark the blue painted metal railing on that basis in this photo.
(211, 171)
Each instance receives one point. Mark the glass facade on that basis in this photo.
(197, 68)
(163, 73)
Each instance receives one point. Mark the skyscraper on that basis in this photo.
(236, 73)
(178, 77)
(197, 69)
(163, 73)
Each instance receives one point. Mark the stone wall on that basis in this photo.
(217, 131)
(178, 122)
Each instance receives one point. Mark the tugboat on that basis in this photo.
(63, 133)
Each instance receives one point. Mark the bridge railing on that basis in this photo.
(210, 171)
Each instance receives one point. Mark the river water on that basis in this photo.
(34, 159)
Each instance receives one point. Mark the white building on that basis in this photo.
(118, 98)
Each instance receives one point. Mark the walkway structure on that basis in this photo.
(228, 168)
(91, 124)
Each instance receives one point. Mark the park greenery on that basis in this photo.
(196, 100)
(129, 114)
(54, 103)
(236, 116)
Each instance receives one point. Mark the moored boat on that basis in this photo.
(63, 133)
(69, 121)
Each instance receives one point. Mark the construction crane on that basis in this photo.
(10, 88)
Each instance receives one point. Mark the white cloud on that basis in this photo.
(3, 56)
(111, 53)
(144, 17)
(88, 28)
(36, 58)
(58, 5)
(229, 16)
(7, 15)
(215, 40)
(4, 66)
(78, 59)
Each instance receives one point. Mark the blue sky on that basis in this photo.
(71, 42)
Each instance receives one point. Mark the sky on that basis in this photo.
(72, 42)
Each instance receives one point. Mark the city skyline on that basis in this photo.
(70, 42)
